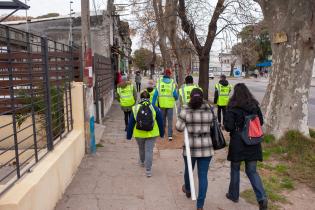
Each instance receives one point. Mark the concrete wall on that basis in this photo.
(44, 186)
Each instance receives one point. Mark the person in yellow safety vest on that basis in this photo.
(145, 139)
(166, 95)
(221, 96)
(186, 89)
(151, 90)
(127, 97)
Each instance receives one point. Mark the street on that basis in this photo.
(258, 88)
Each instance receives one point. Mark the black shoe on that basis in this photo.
(263, 205)
(230, 198)
(188, 194)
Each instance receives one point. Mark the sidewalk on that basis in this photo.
(112, 180)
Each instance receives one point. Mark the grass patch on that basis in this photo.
(99, 145)
(312, 133)
(300, 154)
(290, 159)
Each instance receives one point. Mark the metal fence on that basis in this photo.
(35, 99)
(104, 82)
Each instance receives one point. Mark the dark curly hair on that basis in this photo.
(196, 98)
(242, 98)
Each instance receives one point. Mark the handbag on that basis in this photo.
(218, 140)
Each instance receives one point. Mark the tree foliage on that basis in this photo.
(142, 59)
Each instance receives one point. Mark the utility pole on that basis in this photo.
(87, 77)
(70, 27)
(27, 28)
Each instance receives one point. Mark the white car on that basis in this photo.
(211, 75)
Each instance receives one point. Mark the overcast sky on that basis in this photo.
(41, 7)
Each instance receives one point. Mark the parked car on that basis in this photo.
(211, 75)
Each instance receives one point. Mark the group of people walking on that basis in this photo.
(147, 119)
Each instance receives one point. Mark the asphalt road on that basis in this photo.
(258, 88)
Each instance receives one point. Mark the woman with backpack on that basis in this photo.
(197, 117)
(241, 105)
(145, 124)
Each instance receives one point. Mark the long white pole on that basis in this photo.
(190, 170)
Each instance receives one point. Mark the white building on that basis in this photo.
(225, 62)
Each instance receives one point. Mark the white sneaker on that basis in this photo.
(170, 138)
(148, 173)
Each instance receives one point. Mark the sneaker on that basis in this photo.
(230, 198)
(263, 205)
(148, 173)
(170, 138)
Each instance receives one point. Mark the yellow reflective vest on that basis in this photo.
(223, 94)
(145, 134)
(185, 91)
(151, 97)
(165, 90)
(126, 96)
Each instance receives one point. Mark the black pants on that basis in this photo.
(138, 86)
(223, 109)
(127, 117)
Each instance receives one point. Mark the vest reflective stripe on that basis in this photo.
(185, 92)
(126, 96)
(151, 97)
(223, 94)
(166, 98)
(145, 134)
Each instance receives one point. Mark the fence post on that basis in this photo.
(14, 124)
(44, 43)
(30, 68)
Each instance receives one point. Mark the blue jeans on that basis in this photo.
(146, 146)
(254, 178)
(203, 166)
(168, 114)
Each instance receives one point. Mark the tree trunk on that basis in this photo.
(204, 70)
(232, 68)
(152, 65)
(285, 103)
(158, 11)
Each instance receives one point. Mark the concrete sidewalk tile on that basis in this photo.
(78, 202)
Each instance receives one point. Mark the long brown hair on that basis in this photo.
(242, 98)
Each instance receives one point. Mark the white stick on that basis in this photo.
(190, 170)
(176, 109)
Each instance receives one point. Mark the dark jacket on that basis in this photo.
(233, 123)
(216, 92)
(132, 123)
